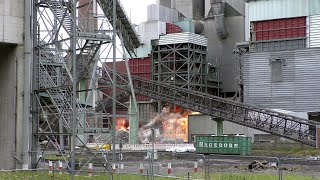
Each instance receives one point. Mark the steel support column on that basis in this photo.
(133, 122)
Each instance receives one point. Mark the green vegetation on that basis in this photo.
(256, 177)
(53, 157)
(45, 176)
(286, 152)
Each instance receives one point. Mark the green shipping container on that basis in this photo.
(231, 145)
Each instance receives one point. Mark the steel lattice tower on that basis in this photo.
(70, 42)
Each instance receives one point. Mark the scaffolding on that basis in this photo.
(181, 63)
(70, 40)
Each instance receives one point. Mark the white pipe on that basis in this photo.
(27, 84)
(94, 8)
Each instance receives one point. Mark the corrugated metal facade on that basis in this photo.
(184, 37)
(172, 28)
(314, 31)
(278, 29)
(141, 67)
(299, 88)
(275, 9)
(278, 45)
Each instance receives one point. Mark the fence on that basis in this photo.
(173, 165)
(163, 164)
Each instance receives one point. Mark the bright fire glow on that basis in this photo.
(122, 124)
(177, 128)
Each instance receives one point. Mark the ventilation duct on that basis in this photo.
(217, 13)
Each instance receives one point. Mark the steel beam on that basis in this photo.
(276, 123)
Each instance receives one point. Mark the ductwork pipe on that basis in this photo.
(27, 84)
(217, 13)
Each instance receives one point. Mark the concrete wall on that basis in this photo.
(11, 109)
(11, 21)
(8, 106)
(203, 124)
(193, 9)
(221, 51)
(11, 80)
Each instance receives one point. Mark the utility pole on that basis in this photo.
(74, 86)
(152, 156)
(114, 79)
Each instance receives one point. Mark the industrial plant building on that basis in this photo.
(214, 67)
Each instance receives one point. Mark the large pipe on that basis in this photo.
(95, 13)
(27, 84)
(217, 13)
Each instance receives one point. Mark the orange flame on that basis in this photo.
(177, 128)
(122, 124)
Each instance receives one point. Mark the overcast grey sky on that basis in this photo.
(137, 9)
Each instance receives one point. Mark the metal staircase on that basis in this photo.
(279, 124)
(88, 52)
(59, 95)
(61, 10)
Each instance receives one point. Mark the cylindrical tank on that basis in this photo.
(198, 27)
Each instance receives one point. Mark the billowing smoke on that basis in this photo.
(169, 125)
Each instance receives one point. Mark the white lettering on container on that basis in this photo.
(218, 145)
(200, 144)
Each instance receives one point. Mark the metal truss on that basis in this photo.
(279, 124)
(240, 49)
(52, 106)
(124, 27)
(182, 64)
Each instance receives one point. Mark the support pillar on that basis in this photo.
(219, 126)
(318, 136)
(61, 137)
(82, 120)
(133, 122)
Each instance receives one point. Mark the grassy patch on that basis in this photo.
(54, 157)
(256, 177)
(286, 152)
